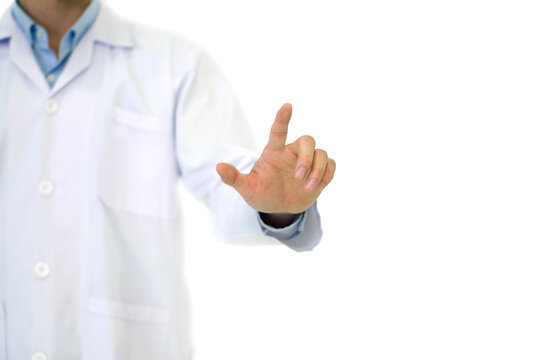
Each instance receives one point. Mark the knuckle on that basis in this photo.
(308, 139)
(322, 153)
(278, 132)
(332, 164)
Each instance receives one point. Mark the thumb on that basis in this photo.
(232, 177)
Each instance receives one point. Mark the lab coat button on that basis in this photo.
(45, 187)
(51, 106)
(42, 269)
(39, 356)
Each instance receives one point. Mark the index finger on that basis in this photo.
(278, 133)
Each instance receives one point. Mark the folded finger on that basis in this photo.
(328, 174)
(318, 169)
(304, 148)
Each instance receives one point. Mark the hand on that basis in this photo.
(286, 178)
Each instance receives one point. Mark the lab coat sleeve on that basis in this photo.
(211, 128)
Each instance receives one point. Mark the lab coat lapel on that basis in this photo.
(20, 52)
(79, 60)
(108, 29)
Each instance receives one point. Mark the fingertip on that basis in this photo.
(287, 108)
(220, 168)
(227, 173)
(332, 163)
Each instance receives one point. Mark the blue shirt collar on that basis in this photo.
(36, 35)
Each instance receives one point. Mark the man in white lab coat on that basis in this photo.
(99, 118)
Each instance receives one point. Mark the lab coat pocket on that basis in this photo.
(3, 335)
(138, 169)
(119, 331)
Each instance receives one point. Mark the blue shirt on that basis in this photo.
(37, 36)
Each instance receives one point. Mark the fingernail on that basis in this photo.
(300, 173)
(311, 184)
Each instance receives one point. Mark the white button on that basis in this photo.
(39, 356)
(38, 34)
(42, 269)
(51, 78)
(45, 187)
(51, 106)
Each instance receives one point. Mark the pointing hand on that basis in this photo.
(286, 178)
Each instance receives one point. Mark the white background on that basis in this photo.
(431, 110)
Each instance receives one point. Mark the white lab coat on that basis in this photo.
(90, 238)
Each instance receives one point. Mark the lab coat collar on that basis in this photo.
(20, 52)
(6, 24)
(111, 29)
(108, 29)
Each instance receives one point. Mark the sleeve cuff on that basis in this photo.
(283, 234)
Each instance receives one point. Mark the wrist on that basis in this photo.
(278, 220)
